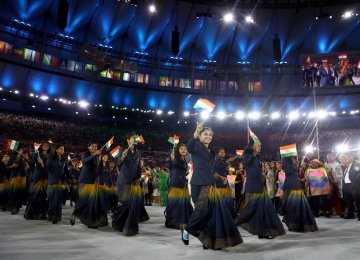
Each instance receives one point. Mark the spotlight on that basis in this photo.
(309, 149)
(44, 97)
(254, 115)
(322, 114)
(249, 19)
(312, 114)
(16, 91)
(49, 108)
(186, 113)
(204, 114)
(293, 115)
(170, 112)
(83, 104)
(221, 115)
(159, 112)
(228, 18)
(347, 14)
(342, 148)
(239, 115)
(152, 8)
(275, 115)
(31, 94)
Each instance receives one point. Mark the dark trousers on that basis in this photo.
(320, 202)
(356, 197)
(195, 192)
(348, 199)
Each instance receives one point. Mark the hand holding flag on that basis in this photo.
(253, 136)
(139, 139)
(174, 140)
(239, 153)
(108, 144)
(36, 147)
(13, 145)
(203, 103)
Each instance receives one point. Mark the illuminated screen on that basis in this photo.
(331, 70)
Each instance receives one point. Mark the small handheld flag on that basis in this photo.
(109, 143)
(288, 150)
(190, 168)
(254, 137)
(115, 152)
(36, 147)
(139, 139)
(239, 153)
(203, 103)
(174, 140)
(13, 145)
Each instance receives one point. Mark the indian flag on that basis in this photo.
(13, 145)
(174, 140)
(115, 152)
(288, 150)
(109, 143)
(203, 103)
(36, 147)
(239, 152)
(253, 136)
(140, 139)
(190, 167)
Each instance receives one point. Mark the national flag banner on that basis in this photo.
(63, 64)
(203, 103)
(109, 143)
(27, 54)
(7, 49)
(90, 67)
(253, 136)
(36, 147)
(239, 153)
(71, 65)
(35, 56)
(174, 140)
(13, 145)
(140, 139)
(79, 67)
(54, 61)
(115, 152)
(18, 53)
(288, 150)
(46, 59)
(117, 75)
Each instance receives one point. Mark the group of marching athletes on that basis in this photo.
(213, 219)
